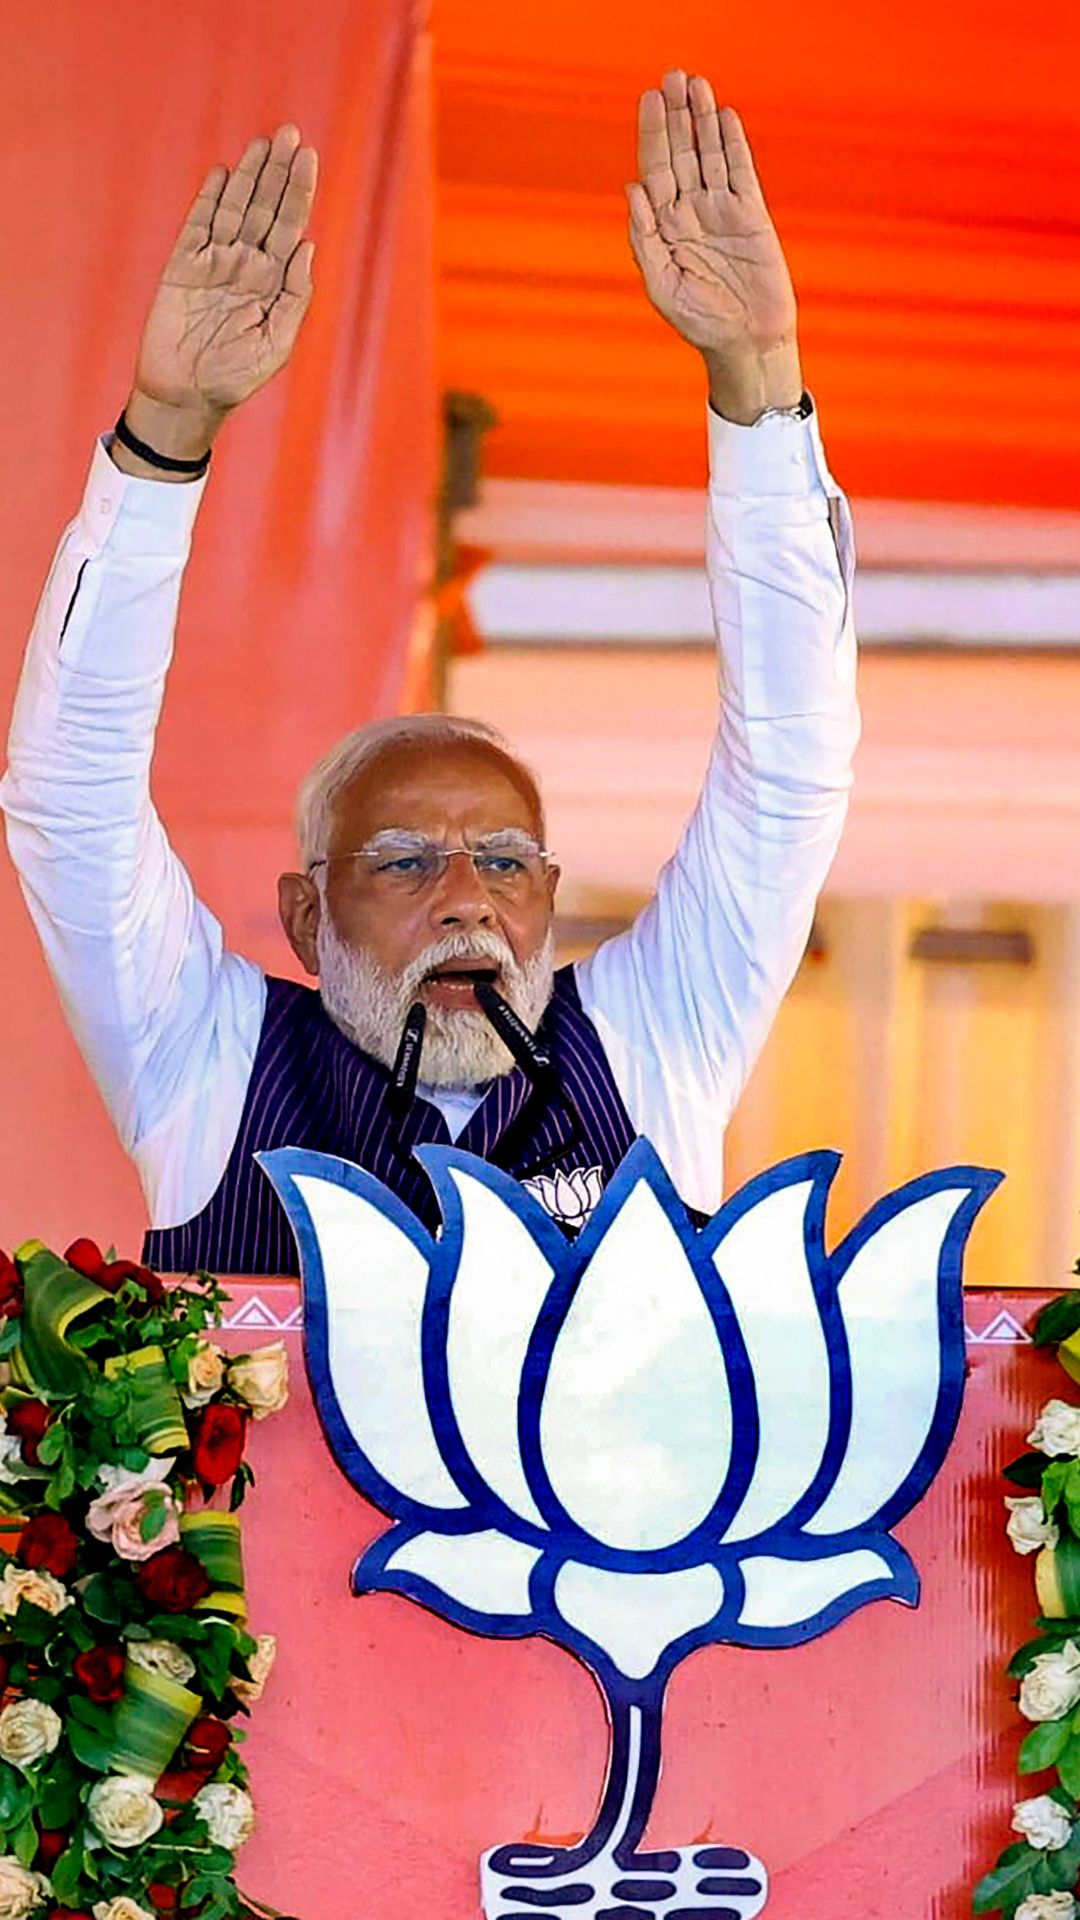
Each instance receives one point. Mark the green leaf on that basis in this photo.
(52, 1444)
(1068, 1766)
(63, 1481)
(89, 1714)
(15, 1795)
(89, 1336)
(24, 1842)
(100, 1601)
(1009, 1882)
(154, 1518)
(1043, 1746)
(67, 1874)
(1053, 1483)
(1027, 1471)
(1057, 1320)
(58, 1801)
(88, 1747)
(1064, 1865)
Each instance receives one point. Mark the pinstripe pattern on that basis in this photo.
(311, 1087)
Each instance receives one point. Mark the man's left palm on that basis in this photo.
(700, 229)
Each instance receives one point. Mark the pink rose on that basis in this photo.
(117, 1515)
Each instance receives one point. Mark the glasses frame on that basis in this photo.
(419, 842)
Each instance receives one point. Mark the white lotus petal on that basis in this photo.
(784, 1593)
(375, 1285)
(889, 1299)
(762, 1261)
(636, 1418)
(498, 1291)
(485, 1571)
(635, 1617)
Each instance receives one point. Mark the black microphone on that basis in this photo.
(533, 1059)
(407, 1063)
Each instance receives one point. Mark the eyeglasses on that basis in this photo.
(508, 864)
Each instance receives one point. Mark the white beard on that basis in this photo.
(461, 1048)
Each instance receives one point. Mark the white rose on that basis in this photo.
(205, 1375)
(123, 1809)
(260, 1664)
(122, 1908)
(41, 1589)
(1043, 1822)
(28, 1731)
(228, 1812)
(1028, 1527)
(161, 1656)
(13, 1467)
(1052, 1686)
(261, 1379)
(1057, 1429)
(1046, 1906)
(21, 1891)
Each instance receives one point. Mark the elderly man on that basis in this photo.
(424, 900)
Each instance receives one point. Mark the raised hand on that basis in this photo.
(231, 299)
(708, 251)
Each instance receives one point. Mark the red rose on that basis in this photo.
(173, 1579)
(69, 1913)
(153, 1285)
(113, 1273)
(51, 1844)
(164, 1899)
(179, 1786)
(208, 1742)
(28, 1421)
(11, 1288)
(86, 1257)
(100, 1672)
(50, 1543)
(219, 1443)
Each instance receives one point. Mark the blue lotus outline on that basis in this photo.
(562, 1540)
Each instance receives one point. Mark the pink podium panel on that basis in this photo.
(872, 1770)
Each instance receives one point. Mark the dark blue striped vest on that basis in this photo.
(311, 1087)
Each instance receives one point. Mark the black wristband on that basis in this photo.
(153, 458)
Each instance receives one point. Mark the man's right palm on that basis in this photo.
(238, 282)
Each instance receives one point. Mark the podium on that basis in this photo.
(873, 1769)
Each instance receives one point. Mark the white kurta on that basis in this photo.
(168, 1019)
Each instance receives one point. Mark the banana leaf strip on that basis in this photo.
(156, 1408)
(214, 1539)
(55, 1297)
(149, 1722)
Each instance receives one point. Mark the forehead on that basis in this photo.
(441, 789)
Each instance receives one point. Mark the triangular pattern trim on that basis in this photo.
(255, 1316)
(1002, 1331)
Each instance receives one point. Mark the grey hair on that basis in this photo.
(365, 745)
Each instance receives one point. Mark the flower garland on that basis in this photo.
(126, 1666)
(1037, 1877)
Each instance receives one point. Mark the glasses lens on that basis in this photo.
(508, 871)
(406, 869)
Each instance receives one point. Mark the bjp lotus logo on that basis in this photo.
(634, 1443)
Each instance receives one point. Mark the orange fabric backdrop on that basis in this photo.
(315, 534)
(923, 165)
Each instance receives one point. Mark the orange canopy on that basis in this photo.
(923, 166)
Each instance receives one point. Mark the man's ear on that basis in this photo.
(553, 875)
(299, 906)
